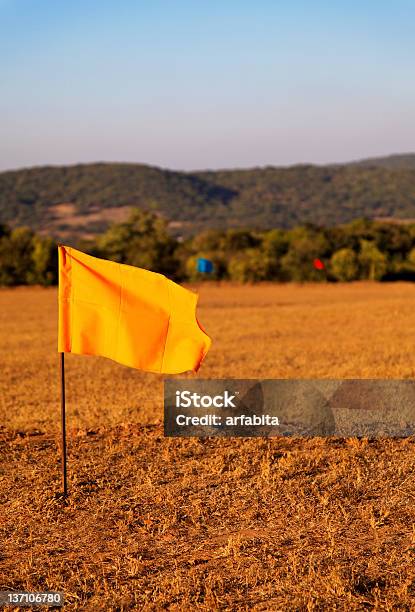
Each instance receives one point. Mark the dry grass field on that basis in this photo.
(157, 523)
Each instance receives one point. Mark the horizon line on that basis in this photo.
(358, 160)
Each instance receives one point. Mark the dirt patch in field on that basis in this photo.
(65, 218)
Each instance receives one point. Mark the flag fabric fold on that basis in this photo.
(133, 316)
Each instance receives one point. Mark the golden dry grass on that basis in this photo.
(217, 524)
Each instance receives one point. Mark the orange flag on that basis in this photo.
(138, 318)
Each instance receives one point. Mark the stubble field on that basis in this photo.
(232, 524)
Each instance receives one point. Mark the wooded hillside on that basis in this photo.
(84, 199)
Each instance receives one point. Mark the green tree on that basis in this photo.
(275, 243)
(208, 241)
(305, 246)
(344, 265)
(392, 239)
(373, 263)
(4, 230)
(45, 261)
(411, 257)
(142, 241)
(7, 262)
(239, 240)
(250, 266)
(16, 263)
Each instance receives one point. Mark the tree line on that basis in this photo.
(360, 250)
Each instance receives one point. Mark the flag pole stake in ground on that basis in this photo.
(63, 424)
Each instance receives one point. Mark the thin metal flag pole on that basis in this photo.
(63, 426)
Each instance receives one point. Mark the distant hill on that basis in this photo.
(394, 162)
(82, 200)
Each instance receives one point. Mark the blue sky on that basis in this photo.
(205, 84)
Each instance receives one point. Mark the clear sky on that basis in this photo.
(205, 83)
